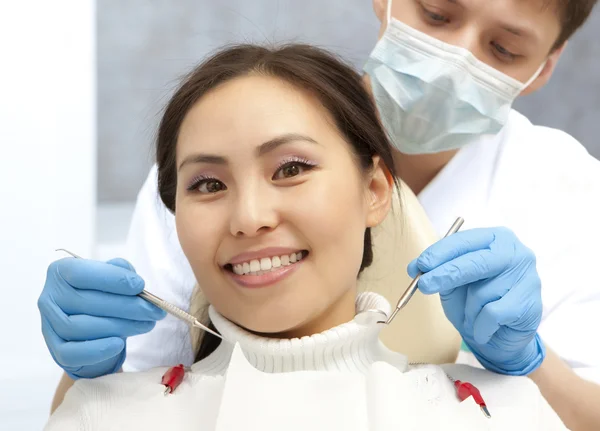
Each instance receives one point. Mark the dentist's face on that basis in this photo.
(513, 36)
(271, 207)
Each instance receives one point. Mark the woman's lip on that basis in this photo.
(265, 252)
(266, 279)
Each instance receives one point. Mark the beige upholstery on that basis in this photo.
(421, 329)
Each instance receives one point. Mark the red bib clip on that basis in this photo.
(172, 378)
(466, 390)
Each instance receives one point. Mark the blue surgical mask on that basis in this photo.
(433, 96)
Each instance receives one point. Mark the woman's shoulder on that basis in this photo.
(90, 404)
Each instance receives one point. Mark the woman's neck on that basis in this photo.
(341, 311)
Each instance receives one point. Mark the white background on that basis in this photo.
(47, 182)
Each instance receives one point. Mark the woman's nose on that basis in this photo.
(253, 214)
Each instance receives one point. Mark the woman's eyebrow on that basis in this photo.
(263, 149)
(278, 141)
(203, 158)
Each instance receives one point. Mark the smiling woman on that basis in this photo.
(277, 168)
(264, 141)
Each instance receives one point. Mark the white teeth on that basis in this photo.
(276, 262)
(266, 264)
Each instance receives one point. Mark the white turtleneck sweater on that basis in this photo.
(342, 379)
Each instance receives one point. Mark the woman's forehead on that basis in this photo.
(250, 111)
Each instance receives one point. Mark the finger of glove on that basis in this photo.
(80, 327)
(121, 263)
(516, 309)
(101, 304)
(96, 303)
(413, 269)
(454, 246)
(463, 270)
(94, 275)
(480, 295)
(74, 354)
(453, 303)
(103, 368)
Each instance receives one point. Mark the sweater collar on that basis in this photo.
(350, 347)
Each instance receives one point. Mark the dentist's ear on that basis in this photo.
(380, 6)
(546, 72)
(380, 189)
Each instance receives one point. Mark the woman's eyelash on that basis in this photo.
(203, 179)
(199, 180)
(299, 160)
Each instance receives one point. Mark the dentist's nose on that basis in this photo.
(254, 213)
(466, 37)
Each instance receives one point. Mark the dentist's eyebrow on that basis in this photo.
(519, 31)
(263, 149)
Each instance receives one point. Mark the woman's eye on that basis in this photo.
(290, 170)
(503, 52)
(208, 186)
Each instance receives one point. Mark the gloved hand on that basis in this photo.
(491, 292)
(88, 310)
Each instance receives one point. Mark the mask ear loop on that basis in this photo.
(535, 75)
(389, 12)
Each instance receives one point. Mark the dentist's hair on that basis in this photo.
(336, 85)
(572, 14)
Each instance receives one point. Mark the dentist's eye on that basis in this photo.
(207, 185)
(434, 18)
(502, 52)
(292, 168)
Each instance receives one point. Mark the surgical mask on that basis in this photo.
(433, 96)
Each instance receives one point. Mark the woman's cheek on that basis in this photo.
(195, 234)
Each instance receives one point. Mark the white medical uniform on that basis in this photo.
(537, 181)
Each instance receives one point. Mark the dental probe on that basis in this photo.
(412, 288)
(166, 306)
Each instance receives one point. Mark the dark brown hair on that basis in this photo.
(572, 14)
(336, 85)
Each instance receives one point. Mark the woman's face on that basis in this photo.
(272, 207)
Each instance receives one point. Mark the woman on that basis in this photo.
(276, 168)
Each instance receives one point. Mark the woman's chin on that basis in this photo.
(276, 327)
(275, 330)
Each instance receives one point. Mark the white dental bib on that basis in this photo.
(341, 379)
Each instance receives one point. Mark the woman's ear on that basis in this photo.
(380, 189)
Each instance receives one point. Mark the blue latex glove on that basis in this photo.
(88, 310)
(491, 292)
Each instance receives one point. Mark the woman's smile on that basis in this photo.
(264, 267)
